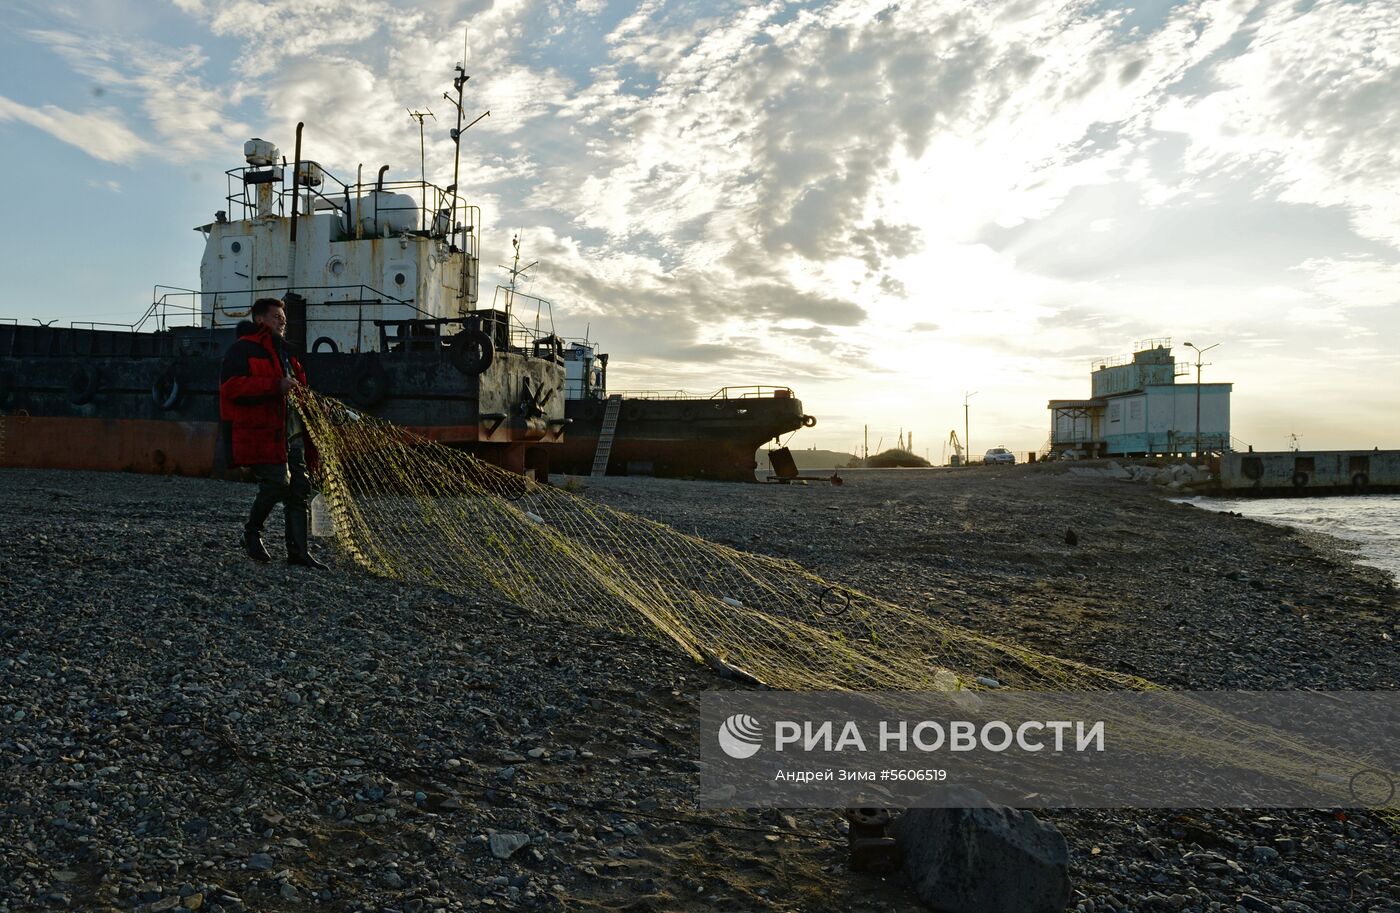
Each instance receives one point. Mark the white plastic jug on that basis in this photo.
(322, 522)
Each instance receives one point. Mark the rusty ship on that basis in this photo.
(667, 433)
(381, 282)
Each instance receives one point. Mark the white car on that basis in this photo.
(999, 455)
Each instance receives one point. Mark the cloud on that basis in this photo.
(1309, 101)
(184, 113)
(102, 133)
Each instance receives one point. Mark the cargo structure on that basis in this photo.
(1136, 407)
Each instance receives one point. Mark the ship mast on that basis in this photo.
(516, 271)
(458, 82)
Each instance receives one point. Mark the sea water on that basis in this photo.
(1372, 522)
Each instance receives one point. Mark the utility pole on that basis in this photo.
(967, 433)
(867, 442)
(1199, 353)
(422, 164)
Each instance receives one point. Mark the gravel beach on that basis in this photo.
(183, 729)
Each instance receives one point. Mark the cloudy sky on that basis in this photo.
(884, 205)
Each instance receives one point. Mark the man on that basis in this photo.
(255, 384)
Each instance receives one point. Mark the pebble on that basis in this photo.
(506, 845)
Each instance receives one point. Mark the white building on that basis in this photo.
(1138, 409)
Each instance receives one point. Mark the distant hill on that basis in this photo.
(896, 457)
(810, 459)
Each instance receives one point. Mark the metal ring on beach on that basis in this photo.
(841, 608)
(1380, 775)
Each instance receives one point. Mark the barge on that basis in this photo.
(667, 433)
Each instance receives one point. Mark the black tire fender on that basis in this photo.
(808, 421)
(471, 352)
(1300, 479)
(166, 390)
(369, 383)
(316, 346)
(82, 386)
(1360, 482)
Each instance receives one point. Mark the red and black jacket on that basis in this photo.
(250, 400)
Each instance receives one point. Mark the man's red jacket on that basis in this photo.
(250, 398)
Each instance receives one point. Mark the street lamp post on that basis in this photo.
(967, 434)
(1199, 353)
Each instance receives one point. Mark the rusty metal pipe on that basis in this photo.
(296, 207)
(378, 189)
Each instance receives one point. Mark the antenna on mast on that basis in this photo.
(458, 82)
(516, 272)
(422, 165)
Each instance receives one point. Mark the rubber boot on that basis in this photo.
(252, 530)
(298, 528)
(253, 545)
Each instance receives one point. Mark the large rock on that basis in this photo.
(982, 857)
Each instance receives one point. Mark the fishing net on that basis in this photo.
(422, 512)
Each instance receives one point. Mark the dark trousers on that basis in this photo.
(285, 484)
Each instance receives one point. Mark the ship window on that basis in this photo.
(399, 278)
(235, 247)
(337, 266)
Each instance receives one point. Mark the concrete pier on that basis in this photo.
(1309, 472)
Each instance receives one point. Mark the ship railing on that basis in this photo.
(754, 391)
(505, 332)
(510, 301)
(656, 394)
(436, 213)
(159, 312)
(430, 208)
(179, 307)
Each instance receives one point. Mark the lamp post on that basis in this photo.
(1199, 353)
(967, 435)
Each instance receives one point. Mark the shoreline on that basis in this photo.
(185, 722)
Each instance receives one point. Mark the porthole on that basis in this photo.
(336, 266)
(236, 246)
(399, 278)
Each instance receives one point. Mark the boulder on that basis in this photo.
(982, 857)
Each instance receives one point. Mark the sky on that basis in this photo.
(883, 205)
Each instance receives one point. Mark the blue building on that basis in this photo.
(1136, 408)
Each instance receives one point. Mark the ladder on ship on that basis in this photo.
(606, 435)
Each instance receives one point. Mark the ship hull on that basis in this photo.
(678, 438)
(103, 400)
